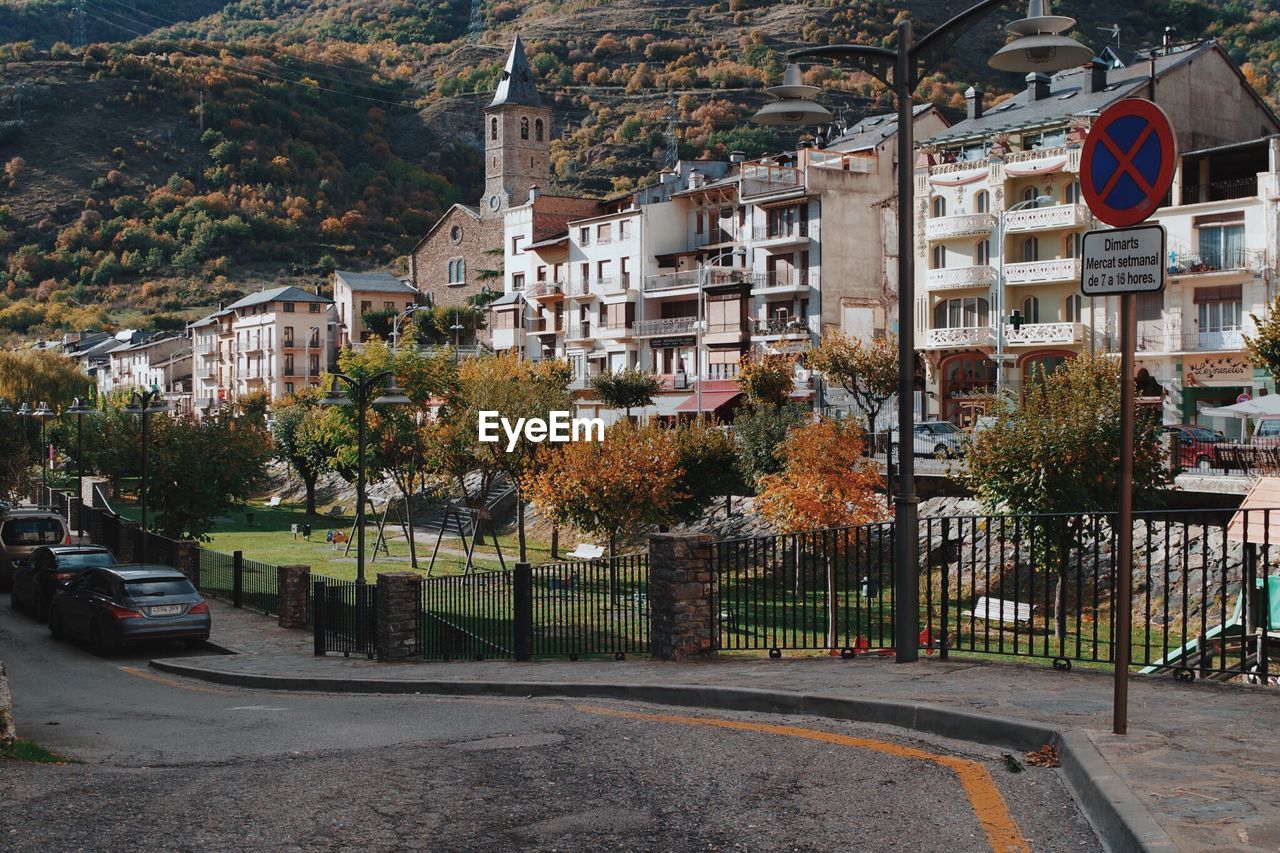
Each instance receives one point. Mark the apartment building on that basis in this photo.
(358, 294)
(1000, 218)
(276, 341)
(160, 361)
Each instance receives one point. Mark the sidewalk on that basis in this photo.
(1203, 758)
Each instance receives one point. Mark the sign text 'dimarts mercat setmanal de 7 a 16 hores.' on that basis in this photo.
(1126, 260)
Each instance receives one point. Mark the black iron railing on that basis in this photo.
(344, 616)
(467, 617)
(591, 608)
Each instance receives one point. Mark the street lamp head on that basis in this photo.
(80, 406)
(24, 409)
(457, 327)
(5, 408)
(795, 105)
(335, 397)
(1041, 43)
(392, 395)
(43, 411)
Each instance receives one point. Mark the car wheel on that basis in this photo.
(102, 645)
(55, 626)
(1204, 463)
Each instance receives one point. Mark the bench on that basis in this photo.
(274, 502)
(998, 610)
(586, 552)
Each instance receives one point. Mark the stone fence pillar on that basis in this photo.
(681, 595)
(294, 598)
(127, 551)
(399, 615)
(186, 559)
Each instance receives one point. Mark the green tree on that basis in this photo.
(767, 380)
(298, 433)
(626, 389)
(867, 371)
(40, 376)
(1055, 455)
(708, 460)
(759, 434)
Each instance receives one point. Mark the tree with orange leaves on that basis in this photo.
(826, 481)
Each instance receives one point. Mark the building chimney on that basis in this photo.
(1038, 86)
(534, 192)
(1097, 75)
(973, 98)
(695, 179)
(1168, 39)
(737, 156)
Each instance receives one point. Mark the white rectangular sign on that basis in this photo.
(1123, 260)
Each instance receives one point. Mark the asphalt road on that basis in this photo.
(171, 764)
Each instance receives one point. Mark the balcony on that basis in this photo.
(1059, 216)
(548, 290)
(960, 278)
(1220, 190)
(779, 327)
(775, 237)
(964, 225)
(543, 326)
(614, 333)
(1039, 334)
(692, 278)
(1183, 260)
(782, 281)
(669, 326)
(579, 332)
(1223, 340)
(580, 289)
(1042, 272)
(614, 284)
(966, 337)
(766, 179)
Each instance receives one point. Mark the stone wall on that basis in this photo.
(399, 610)
(680, 596)
(294, 585)
(7, 730)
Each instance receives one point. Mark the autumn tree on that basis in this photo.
(867, 371)
(1264, 347)
(825, 480)
(612, 488)
(767, 380)
(298, 433)
(40, 376)
(626, 389)
(1055, 456)
(759, 433)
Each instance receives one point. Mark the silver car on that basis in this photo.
(936, 438)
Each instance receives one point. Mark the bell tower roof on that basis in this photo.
(517, 86)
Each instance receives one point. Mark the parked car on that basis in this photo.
(935, 438)
(23, 530)
(113, 606)
(48, 570)
(1266, 431)
(1197, 446)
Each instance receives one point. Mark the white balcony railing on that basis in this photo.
(578, 331)
(958, 278)
(668, 326)
(580, 288)
(963, 225)
(959, 338)
(1044, 333)
(784, 234)
(1047, 218)
(691, 278)
(1043, 272)
(617, 332)
(783, 279)
(546, 289)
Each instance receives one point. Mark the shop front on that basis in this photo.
(1213, 381)
(966, 381)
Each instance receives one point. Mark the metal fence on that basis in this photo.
(344, 616)
(467, 617)
(591, 608)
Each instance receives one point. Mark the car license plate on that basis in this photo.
(164, 610)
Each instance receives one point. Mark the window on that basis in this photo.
(493, 128)
(624, 271)
(1074, 246)
(457, 271)
(1222, 246)
(315, 337)
(1072, 194)
(314, 308)
(524, 127)
(1030, 249)
(982, 253)
(1031, 194)
(288, 336)
(288, 307)
(938, 258)
(365, 307)
(32, 531)
(699, 222)
(982, 201)
(542, 273)
(604, 233)
(388, 306)
(584, 236)
(624, 229)
(288, 387)
(967, 313)
(724, 313)
(537, 130)
(1031, 309)
(517, 281)
(288, 364)
(1220, 315)
(939, 207)
(313, 364)
(1041, 366)
(782, 221)
(604, 271)
(1072, 308)
(515, 244)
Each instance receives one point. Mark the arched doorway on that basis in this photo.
(963, 379)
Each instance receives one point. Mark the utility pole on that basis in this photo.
(80, 39)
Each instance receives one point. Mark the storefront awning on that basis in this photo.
(711, 401)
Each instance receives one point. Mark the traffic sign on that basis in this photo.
(1123, 260)
(1243, 398)
(1128, 161)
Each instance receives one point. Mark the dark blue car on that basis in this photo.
(110, 607)
(49, 569)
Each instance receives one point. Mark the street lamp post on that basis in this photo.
(42, 413)
(1000, 287)
(1039, 46)
(145, 404)
(79, 407)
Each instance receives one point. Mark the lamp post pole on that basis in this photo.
(79, 407)
(144, 404)
(1040, 46)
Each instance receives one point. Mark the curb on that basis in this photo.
(1120, 819)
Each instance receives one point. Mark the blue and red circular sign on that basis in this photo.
(1127, 166)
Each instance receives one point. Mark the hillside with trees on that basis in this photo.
(198, 149)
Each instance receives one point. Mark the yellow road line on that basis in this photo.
(160, 679)
(988, 805)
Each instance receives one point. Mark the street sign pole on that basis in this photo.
(1124, 539)
(1126, 169)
